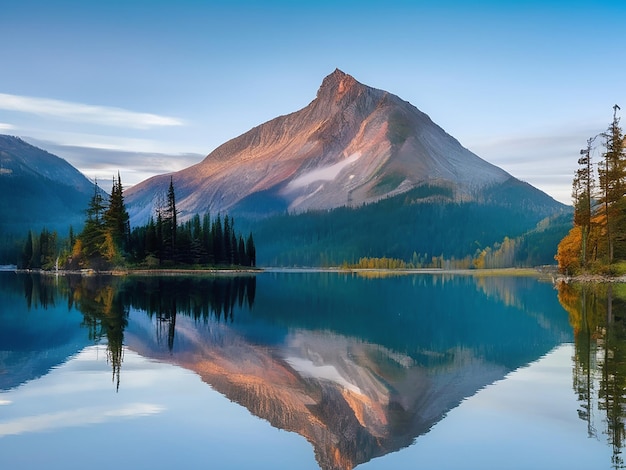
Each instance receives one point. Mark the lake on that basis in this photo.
(308, 370)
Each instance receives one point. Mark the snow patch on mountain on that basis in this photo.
(327, 173)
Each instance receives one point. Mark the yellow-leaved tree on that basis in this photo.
(569, 250)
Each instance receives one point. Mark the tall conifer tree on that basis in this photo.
(116, 216)
(582, 194)
(169, 224)
(612, 176)
(93, 234)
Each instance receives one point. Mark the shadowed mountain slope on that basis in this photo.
(38, 189)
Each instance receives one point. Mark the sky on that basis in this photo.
(148, 87)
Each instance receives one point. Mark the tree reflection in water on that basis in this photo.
(200, 298)
(105, 302)
(597, 314)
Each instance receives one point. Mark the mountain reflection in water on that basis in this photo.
(359, 367)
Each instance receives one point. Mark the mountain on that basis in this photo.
(38, 189)
(351, 145)
(357, 172)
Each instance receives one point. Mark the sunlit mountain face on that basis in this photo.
(352, 145)
(357, 173)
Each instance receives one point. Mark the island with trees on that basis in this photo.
(107, 242)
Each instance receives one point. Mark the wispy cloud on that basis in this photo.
(545, 159)
(104, 161)
(6, 127)
(79, 112)
(78, 417)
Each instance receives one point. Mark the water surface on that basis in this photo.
(295, 370)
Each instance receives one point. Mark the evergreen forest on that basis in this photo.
(107, 241)
(422, 228)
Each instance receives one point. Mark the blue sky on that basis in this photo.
(152, 86)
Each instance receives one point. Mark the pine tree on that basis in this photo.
(582, 194)
(116, 217)
(251, 251)
(27, 252)
(196, 228)
(93, 234)
(159, 236)
(243, 258)
(612, 178)
(170, 224)
(207, 240)
(227, 238)
(47, 248)
(218, 241)
(97, 205)
(234, 249)
(151, 239)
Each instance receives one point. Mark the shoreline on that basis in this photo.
(134, 272)
(590, 279)
(550, 275)
(546, 273)
(538, 272)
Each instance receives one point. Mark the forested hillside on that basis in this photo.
(424, 226)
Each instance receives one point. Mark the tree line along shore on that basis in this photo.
(107, 243)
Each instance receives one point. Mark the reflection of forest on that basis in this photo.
(201, 298)
(105, 302)
(597, 313)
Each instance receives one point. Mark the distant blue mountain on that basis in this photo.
(38, 189)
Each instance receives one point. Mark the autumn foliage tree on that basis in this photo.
(568, 252)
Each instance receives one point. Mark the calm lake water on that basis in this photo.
(309, 370)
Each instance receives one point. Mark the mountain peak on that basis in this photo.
(352, 145)
(337, 84)
(337, 74)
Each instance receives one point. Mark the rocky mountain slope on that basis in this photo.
(351, 145)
